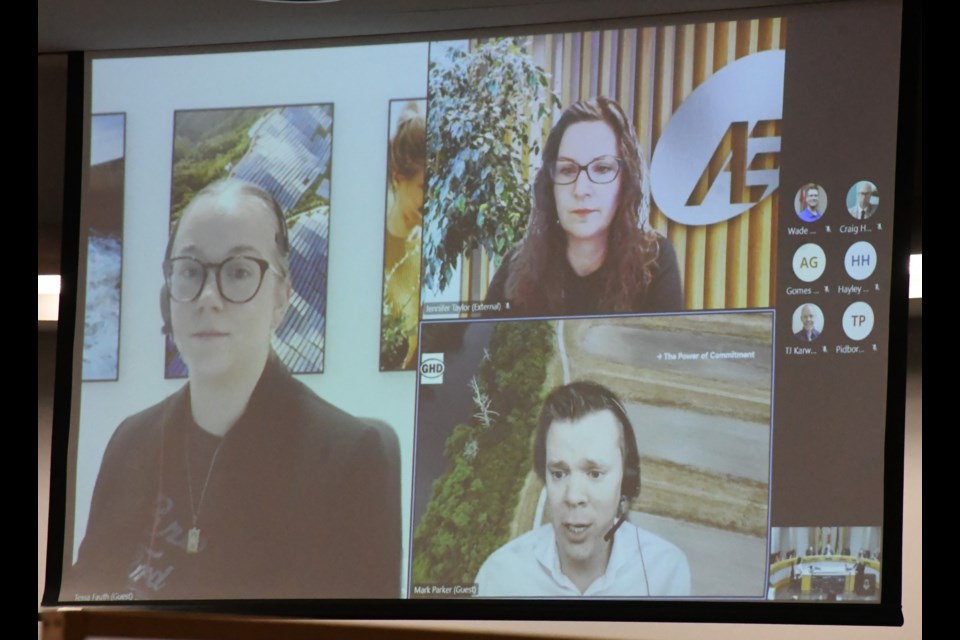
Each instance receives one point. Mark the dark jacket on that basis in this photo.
(301, 501)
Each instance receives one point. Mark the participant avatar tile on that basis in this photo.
(858, 320)
(861, 260)
(862, 200)
(807, 322)
(810, 203)
(809, 262)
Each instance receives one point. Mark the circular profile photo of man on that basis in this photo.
(807, 322)
(810, 203)
(862, 200)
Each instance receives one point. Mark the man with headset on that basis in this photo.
(586, 453)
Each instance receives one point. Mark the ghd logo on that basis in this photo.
(431, 368)
(720, 152)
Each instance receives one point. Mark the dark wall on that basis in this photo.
(51, 128)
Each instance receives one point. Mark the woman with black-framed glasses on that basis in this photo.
(243, 483)
(587, 248)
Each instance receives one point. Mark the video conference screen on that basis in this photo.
(594, 312)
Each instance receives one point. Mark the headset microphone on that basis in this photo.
(622, 511)
(609, 534)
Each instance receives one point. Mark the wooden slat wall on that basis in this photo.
(650, 72)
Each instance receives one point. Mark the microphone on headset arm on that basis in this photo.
(609, 534)
(621, 518)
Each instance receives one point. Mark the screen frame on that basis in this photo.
(887, 612)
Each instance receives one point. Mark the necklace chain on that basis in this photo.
(195, 511)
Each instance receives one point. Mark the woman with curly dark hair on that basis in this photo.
(587, 247)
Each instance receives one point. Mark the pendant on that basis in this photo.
(193, 540)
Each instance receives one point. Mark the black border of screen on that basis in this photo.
(887, 612)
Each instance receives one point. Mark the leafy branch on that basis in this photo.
(487, 111)
(481, 401)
